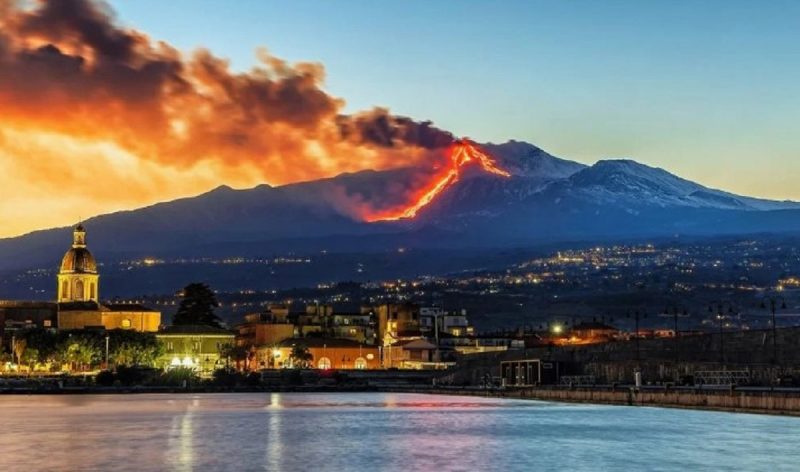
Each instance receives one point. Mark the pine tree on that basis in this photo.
(197, 307)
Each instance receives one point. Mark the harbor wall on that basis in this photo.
(764, 401)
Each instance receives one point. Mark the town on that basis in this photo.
(422, 324)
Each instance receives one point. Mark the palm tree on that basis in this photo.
(301, 358)
(239, 354)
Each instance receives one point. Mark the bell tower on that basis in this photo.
(78, 278)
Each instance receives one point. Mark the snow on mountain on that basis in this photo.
(626, 182)
(480, 194)
(545, 199)
(523, 159)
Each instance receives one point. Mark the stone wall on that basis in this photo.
(733, 400)
(772, 402)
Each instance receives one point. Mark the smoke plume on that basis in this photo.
(162, 122)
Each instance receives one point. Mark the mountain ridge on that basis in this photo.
(545, 199)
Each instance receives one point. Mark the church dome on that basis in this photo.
(78, 260)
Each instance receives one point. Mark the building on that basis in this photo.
(530, 372)
(202, 348)
(93, 315)
(263, 329)
(17, 315)
(398, 321)
(78, 278)
(327, 353)
(413, 354)
(589, 332)
(78, 294)
(77, 304)
(480, 343)
(428, 319)
(357, 326)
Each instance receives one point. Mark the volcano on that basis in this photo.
(489, 195)
(463, 153)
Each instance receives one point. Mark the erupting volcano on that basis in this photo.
(462, 153)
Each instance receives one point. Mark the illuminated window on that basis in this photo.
(126, 323)
(79, 290)
(324, 363)
(91, 291)
(64, 289)
(360, 363)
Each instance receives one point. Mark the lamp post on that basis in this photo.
(773, 305)
(106, 351)
(637, 314)
(676, 311)
(720, 307)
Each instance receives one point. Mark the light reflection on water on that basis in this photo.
(373, 431)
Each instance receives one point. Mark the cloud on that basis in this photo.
(69, 72)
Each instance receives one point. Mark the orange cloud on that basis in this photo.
(96, 117)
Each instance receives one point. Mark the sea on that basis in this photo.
(379, 432)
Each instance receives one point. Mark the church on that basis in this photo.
(77, 304)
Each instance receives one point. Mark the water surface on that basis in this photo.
(377, 431)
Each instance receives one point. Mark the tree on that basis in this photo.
(133, 348)
(238, 354)
(80, 351)
(301, 358)
(43, 340)
(30, 358)
(18, 349)
(197, 306)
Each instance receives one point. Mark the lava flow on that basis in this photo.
(462, 152)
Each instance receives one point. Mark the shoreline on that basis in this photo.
(754, 401)
(776, 402)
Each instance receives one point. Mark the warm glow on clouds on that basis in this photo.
(97, 118)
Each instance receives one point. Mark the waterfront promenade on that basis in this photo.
(763, 400)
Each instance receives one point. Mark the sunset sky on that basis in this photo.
(115, 106)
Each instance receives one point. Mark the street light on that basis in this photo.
(106, 351)
(676, 311)
(720, 306)
(637, 315)
(773, 308)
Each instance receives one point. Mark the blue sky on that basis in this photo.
(708, 90)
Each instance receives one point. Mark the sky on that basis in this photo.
(707, 90)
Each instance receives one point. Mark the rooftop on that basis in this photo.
(195, 329)
(313, 342)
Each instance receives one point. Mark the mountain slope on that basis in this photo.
(615, 199)
(628, 182)
(545, 199)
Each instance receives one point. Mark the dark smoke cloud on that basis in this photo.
(67, 67)
(384, 129)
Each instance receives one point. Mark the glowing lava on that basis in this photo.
(462, 152)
